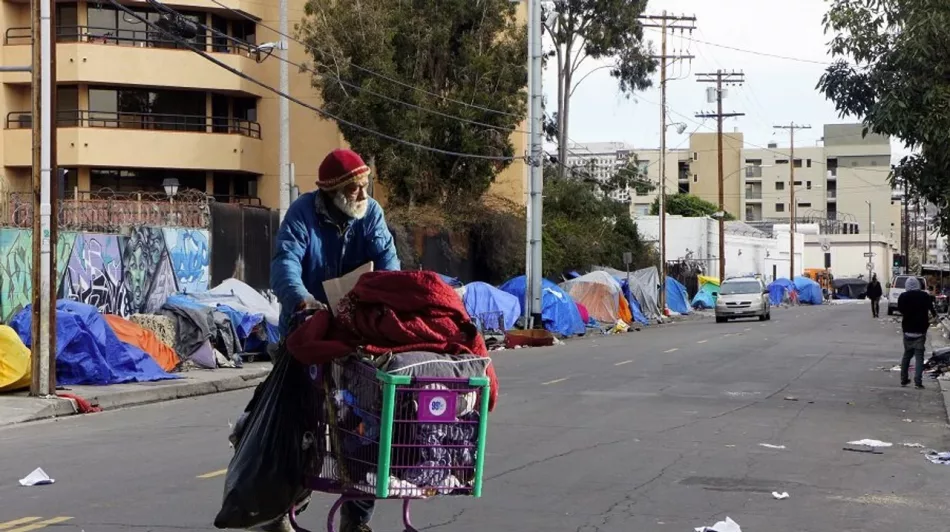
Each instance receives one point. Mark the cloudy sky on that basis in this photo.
(776, 90)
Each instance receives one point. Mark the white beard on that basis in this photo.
(355, 209)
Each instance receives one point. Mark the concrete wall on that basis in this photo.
(847, 254)
(697, 239)
(118, 274)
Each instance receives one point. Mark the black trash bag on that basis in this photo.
(275, 448)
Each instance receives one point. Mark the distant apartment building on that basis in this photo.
(601, 160)
(833, 183)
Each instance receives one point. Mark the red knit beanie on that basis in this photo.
(340, 168)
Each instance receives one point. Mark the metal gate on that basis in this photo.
(242, 243)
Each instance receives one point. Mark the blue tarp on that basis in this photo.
(635, 309)
(88, 351)
(677, 299)
(808, 291)
(558, 310)
(777, 290)
(481, 298)
(705, 297)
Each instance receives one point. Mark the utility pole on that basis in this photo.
(41, 120)
(666, 23)
(532, 302)
(284, 103)
(719, 78)
(792, 207)
(870, 255)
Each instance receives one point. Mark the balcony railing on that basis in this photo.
(122, 37)
(149, 121)
(753, 172)
(832, 193)
(753, 194)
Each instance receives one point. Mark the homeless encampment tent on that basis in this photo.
(15, 366)
(200, 326)
(253, 316)
(621, 277)
(144, 339)
(644, 286)
(808, 291)
(87, 351)
(780, 290)
(482, 301)
(558, 310)
(850, 288)
(601, 294)
(677, 298)
(707, 294)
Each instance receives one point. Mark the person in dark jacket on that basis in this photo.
(916, 306)
(874, 293)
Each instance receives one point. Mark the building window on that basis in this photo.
(808, 163)
(798, 183)
(144, 180)
(695, 156)
(696, 178)
(781, 161)
(779, 207)
(780, 185)
(804, 205)
(808, 185)
(110, 26)
(798, 163)
(144, 109)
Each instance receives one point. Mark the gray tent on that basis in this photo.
(644, 286)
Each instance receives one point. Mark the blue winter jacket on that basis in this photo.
(312, 247)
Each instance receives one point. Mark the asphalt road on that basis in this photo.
(653, 431)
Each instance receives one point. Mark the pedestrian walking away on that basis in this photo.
(874, 293)
(916, 307)
(327, 234)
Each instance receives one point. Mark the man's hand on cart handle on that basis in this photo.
(310, 304)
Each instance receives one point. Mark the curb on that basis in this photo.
(61, 407)
(945, 392)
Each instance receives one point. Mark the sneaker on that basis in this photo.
(920, 386)
(280, 525)
(905, 383)
(355, 528)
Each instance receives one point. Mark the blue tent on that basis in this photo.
(677, 299)
(88, 351)
(808, 291)
(777, 290)
(481, 298)
(558, 310)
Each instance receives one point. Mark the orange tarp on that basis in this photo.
(144, 339)
(625, 314)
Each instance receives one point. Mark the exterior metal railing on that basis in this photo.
(149, 121)
(753, 194)
(108, 211)
(753, 172)
(143, 38)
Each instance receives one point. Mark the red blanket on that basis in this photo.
(392, 312)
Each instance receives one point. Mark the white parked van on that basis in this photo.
(896, 287)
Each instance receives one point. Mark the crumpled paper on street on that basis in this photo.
(722, 526)
(780, 496)
(939, 458)
(871, 443)
(37, 478)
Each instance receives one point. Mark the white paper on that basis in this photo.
(913, 445)
(336, 289)
(871, 443)
(770, 446)
(722, 526)
(37, 478)
(780, 496)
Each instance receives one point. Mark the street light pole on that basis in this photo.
(791, 211)
(870, 257)
(533, 283)
(284, 106)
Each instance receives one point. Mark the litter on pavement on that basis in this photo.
(770, 446)
(939, 458)
(913, 445)
(722, 526)
(37, 478)
(780, 496)
(871, 443)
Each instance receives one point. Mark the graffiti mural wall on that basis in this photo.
(118, 274)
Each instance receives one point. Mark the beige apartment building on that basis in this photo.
(134, 110)
(833, 182)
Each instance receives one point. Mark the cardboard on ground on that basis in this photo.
(335, 289)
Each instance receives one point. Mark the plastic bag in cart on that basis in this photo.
(275, 447)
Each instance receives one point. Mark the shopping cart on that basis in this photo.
(395, 436)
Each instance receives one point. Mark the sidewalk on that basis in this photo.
(20, 408)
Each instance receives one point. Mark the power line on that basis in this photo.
(364, 69)
(317, 110)
(756, 52)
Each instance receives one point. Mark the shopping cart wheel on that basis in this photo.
(406, 521)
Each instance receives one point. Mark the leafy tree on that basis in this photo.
(687, 205)
(629, 177)
(454, 50)
(596, 29)
(582, 228)
(892, 72)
